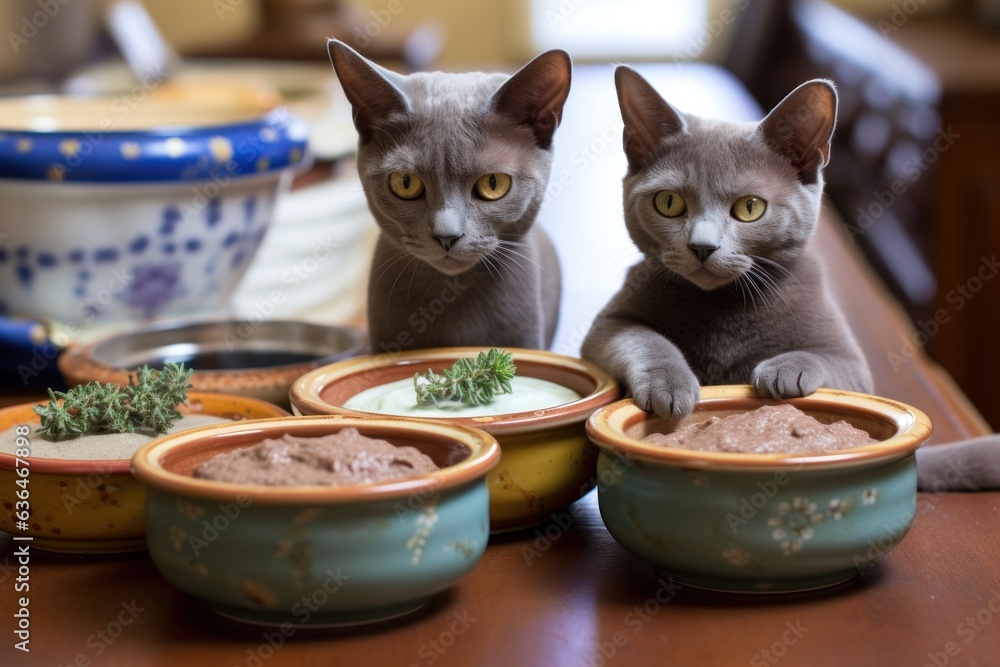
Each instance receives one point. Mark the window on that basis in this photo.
(602, 29)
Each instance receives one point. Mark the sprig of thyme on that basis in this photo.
(147, 403)
(471, 381)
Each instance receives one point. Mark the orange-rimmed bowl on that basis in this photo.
(546, 460)
(92, 506)
(318, 556)
(760, 522)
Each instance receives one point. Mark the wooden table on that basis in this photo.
(566, 594)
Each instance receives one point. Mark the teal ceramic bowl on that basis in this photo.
(317, 556)
(759, 522)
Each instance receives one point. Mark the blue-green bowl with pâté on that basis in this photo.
(317, 556)
(764, 523)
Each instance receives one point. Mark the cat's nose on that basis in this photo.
(448, 241)
(701, 251)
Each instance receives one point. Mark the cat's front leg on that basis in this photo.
(790, 375)
(652, 369)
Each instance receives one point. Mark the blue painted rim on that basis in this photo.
(275, 141)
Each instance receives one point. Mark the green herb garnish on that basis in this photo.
(148, 403)
(471, 381)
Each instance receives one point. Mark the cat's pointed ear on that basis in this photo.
(801, 127)
(374, 92)
(535, 95)
(647, 116)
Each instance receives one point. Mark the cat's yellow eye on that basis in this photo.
(406, 184)
(749, 208)
(492, 186)
(669, 203)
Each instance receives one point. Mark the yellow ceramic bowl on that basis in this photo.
(79, 506)
(546, 459)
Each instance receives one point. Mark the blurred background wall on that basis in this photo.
(491, 33)
(474, 34)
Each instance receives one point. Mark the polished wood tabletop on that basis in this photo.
(566, 594)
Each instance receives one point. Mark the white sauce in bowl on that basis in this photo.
(398, 398)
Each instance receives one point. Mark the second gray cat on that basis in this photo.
(454, 167)
(728, 291)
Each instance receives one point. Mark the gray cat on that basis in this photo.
(729, 290)
(454, 167)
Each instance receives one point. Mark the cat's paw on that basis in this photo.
(669, 392)
(790, 375)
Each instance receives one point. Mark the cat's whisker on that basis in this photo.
(781, 271)
(410, 284)
(622, 256)
(614, 271)
(616, 265)
(506, 263)
(499, 273)
(769, 287)
(388, 264)
(661, 273)
(776, 265)
(486, 265)
(489, 268)
(498, 270)
(768, 282)
(519, 244)
(737, 289)
(754, 280)
(754, 287)
(509, 253)
(431, 285)
(746, 292)
(399, 275)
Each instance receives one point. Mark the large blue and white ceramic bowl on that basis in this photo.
(317, 555)
(762, 523)
(137, 206)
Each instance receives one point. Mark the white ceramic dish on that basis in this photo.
(126, 208)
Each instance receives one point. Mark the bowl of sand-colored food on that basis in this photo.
(317, 521)
(78, 496)
(747, 495)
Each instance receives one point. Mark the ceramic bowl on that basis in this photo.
(307, 89)
(138, 206)
(760, 522)
(317, 555)
(246, 358)
(546, 460)
(79, 506)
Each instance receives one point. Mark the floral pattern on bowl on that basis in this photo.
(147, 224)
(760, 522)
(318, 556)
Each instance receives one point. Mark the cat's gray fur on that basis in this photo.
(757, 310)
(498, 284)
(970, 465)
